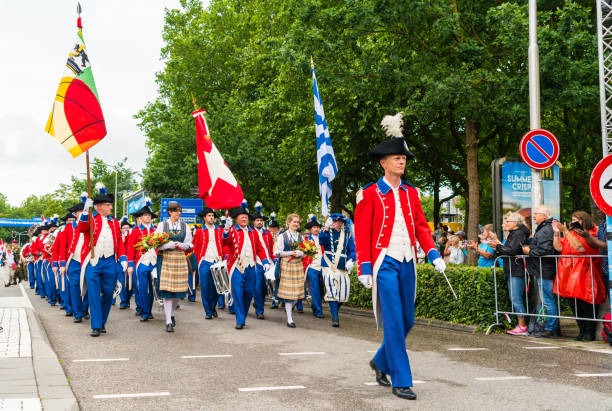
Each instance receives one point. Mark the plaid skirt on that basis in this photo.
(291, 285)
(174, 271)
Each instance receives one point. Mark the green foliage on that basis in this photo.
(474, 286)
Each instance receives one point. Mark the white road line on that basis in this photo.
(101, 359)
(286, 387)
(544, 347)
(206, 356)
(601, 351)
(303, 353)
(604, 374)
(371, 351)
(134, 395)
(468, 349)
(23, 293)
(503, 378)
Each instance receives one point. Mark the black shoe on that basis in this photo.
(232, 312)
(144, 319)
(173, 321)
(61, 308)
(151, 317)
(291, 325)
(274, 306)
(77, 320)
(123, 307)
(169, 328)
(95, 332)
(580, 337)
(335, 323)
(208, 317)
(300, 311)
(68, 315)
(381, 377)
(405, 393)
(103, 330)
(86, 316)
(319, 315)
(138, 313)
(239, 326)
(214, 314)
(545, 334)
(260, 317)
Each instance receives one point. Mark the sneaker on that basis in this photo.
(518, 330)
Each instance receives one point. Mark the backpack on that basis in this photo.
(606, 330)
(537, 322)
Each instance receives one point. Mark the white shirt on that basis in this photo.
(246, 254)
(400, 247)
(105, 246)
(316, 259)
(211, 253)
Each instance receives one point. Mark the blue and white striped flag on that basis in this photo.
(326, 161)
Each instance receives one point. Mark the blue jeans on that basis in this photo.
(548, 300)
(516, 286)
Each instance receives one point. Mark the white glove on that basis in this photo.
(88, 205)
(266, 267)
(228, 223)
(349, 265)
(299, 254)
(154, 272)
(124, 265)
(183, 246)
(439, 264)
(366, 280)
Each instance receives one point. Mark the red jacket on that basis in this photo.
(134, 255)
(200, 241)
(374, 216)
(268, 242)
(83, 227)
(234, 241)
(37, 248)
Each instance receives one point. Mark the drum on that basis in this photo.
(220, 276)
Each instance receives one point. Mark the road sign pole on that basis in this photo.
(534, 103)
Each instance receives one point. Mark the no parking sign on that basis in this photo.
(539, 149)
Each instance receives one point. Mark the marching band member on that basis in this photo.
(63, 281)
(26, 256)
(274, 228)
(71, 245)
(266, 240)
(337, 262)
(172, 263)
(243, 249)
(208, 249)
(313, 268)
(47, 269)
(388, 223)
(291, 284)
(38, 235)
(142, 262)
(127, 289)
(100, 272)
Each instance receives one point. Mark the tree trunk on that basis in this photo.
(436, 202)
(473, 203)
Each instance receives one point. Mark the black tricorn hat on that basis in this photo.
(206, 210)
(235, 212)
(145, 210)
(393, 126)
(103, 196)
(77, 207)
(312, 222)
(67, 216)
(258, 215)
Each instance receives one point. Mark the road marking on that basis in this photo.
(545, 347)
(207, 356)
(604, 374)
(303, 353)
(372, 352)
(520, 377)
(286, 387)
(30, 404)
(413, 381)
(25, 295)
(101, 359)
(134, 395)
(601, 351)
(468, 349)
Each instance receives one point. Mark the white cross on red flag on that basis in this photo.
(217, 185)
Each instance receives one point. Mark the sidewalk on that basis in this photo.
(31, 377)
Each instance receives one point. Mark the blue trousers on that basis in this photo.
(260, 289)
(145, 289)
(50, 290)
(31, 274)
(125, 295)
(74, 276)
(207, 288)
(396, 282)
(40, 284)
(314, 285)
(101, 280)
(243, 287)
(191, 291)
(65, 294)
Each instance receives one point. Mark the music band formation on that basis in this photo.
(237, 264)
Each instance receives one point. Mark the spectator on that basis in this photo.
(543, 268)
(579, 278)
(441, 244)
(453, 250)
(486, 254)
(514, 268)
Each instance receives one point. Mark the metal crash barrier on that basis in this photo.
(532, 295)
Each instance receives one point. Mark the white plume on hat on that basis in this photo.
(393, 125)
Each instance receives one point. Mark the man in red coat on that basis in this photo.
(389, 222)
(264, 236)
(100, 273)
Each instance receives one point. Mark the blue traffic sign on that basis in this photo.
(539, 149)
(191, 208)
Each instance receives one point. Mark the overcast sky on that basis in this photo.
(123, 39)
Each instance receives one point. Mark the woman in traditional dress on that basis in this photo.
(291, 285)
(172, 262)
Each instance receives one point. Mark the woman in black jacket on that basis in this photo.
(514, 267)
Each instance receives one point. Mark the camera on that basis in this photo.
(575, 225)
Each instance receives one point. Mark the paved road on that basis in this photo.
(207, 364)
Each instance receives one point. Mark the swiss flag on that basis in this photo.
(218, 186)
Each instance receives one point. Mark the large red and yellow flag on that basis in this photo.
(217, 185)
(76, 119)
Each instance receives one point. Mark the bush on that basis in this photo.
(474, 287)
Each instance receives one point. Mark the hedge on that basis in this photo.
(474, 287)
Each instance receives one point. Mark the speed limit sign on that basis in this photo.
(601, 185)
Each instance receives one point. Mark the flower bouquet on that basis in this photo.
(152, 241)
(308, 247)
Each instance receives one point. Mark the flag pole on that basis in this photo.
(90, 216)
